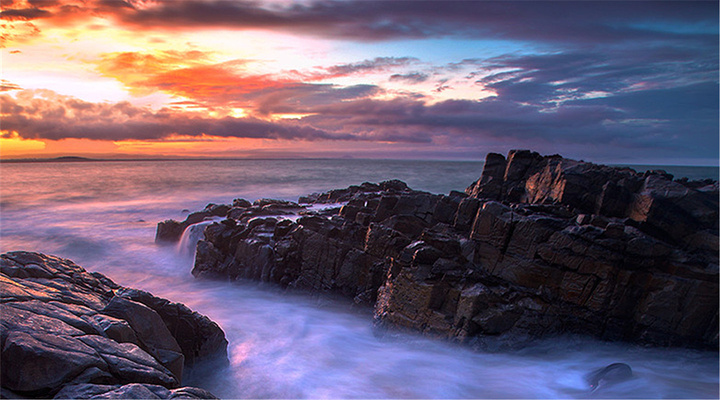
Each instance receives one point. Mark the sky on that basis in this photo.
(631, 82)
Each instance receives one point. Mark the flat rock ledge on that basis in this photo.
(69, 333)
(537, 246)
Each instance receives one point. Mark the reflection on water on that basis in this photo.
(285, 345)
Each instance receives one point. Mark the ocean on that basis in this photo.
(103, 215)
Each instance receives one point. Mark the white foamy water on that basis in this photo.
(286, 345)
(192, 234)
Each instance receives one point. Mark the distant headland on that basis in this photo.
(54, 159)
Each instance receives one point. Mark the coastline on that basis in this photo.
(428, 262)
(147, 271)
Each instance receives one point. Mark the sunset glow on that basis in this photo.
(634, 82)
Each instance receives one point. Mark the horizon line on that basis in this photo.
(73, 159)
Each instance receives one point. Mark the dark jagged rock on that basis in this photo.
(537, 246)
(675, 211)
(74, 334)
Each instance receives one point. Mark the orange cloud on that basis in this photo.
(214, 82)
(136, 70)
(189, 74)
(17, 32)
(17, 16)
(221, 87)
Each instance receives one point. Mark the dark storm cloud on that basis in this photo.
(585, 22)
(579, 22)
(689, 102)
(658, 121)
(684, 118)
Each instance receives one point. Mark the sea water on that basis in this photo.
(103, 215)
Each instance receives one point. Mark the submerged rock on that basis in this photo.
(74, 334)
(537, 246)
(611, 374)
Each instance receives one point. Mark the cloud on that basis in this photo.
(24, 14)
(411, 78)
(6, 86)
(190, 74)
(379, 64)
(610, 75)
(619, 97)
(305, 98)
(654, 122)
(43, 114)
(578, 23)
(382, 20)
(194, 76)
(650, 122)
(548, 80)
(44, 3)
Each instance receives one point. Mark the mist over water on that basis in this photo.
(103, 215)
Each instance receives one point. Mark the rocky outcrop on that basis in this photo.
(316, 252)
(680, 212)
(73, 334)
(537, 246)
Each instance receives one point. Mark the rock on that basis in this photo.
(198, 337)
(284, 203)
(393, 185)
(490, 184)
(467, 210)
(114, 328)
(153, 335)
(64, 330)
(538, 246)
(241, 203)
(130, 391)
(613, 373)
(672, 211)
(129, 363)
(660, 206)
(169, 231)
(43, 362)
(218, 210)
